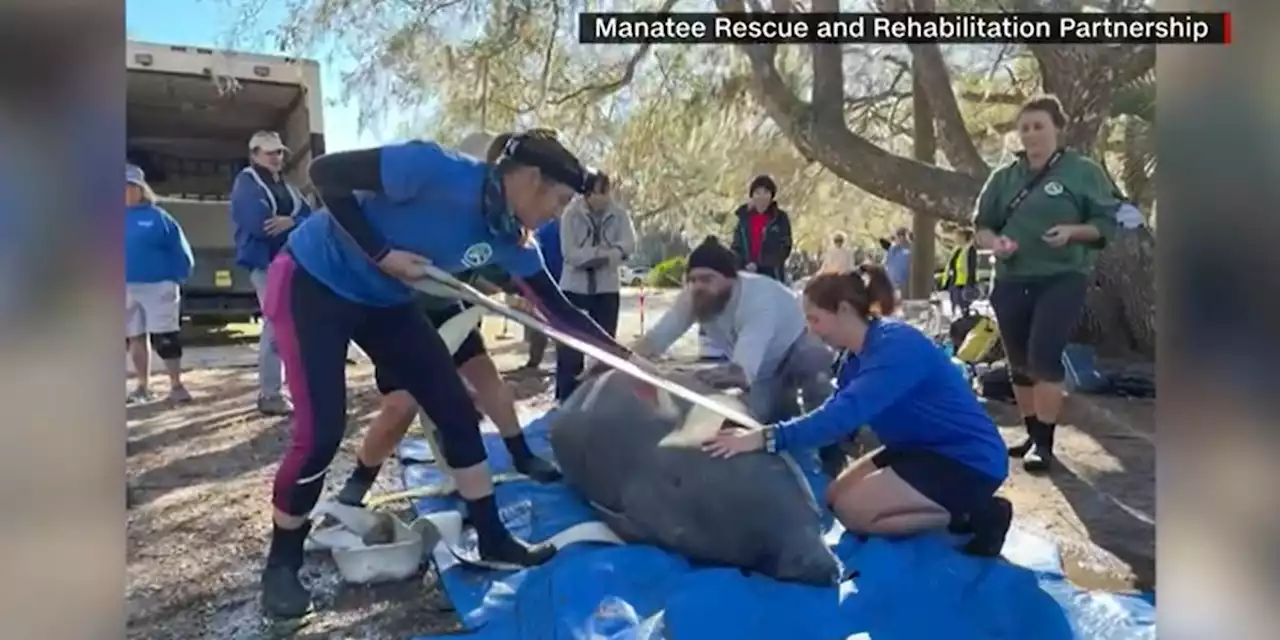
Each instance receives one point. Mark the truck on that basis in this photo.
(190, 112)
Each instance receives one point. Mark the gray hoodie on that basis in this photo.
(594, 246)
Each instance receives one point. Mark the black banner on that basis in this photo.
(908, 28)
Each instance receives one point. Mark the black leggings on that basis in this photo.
(603, 308)
(313, 327)
(1036, 318)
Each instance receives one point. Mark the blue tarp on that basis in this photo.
(920, 588)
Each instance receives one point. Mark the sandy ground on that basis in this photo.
(199, 480)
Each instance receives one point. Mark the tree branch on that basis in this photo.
(927, 189)
(935, 80)
(596, 91)
(828, 73)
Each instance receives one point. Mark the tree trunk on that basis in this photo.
(1120, 311)
(923, 226)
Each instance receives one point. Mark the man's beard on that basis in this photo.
(709, 305)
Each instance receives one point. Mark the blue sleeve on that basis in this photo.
(183, 262)
(882, 380)
(543, 292)
(249, 209)
(411, 168)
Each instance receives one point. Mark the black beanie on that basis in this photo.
(766, 182)
(713, 255)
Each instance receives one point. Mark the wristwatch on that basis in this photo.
(771, 439)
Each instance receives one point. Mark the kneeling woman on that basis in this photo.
(391, 210)
(942, 458)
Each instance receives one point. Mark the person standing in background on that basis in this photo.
(960, 278)
(157, 260)
(264, 210)
(897, 259)
(838, 258)
(548, 239)
(762, 236)
(596, 237)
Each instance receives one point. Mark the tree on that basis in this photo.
(685, 127)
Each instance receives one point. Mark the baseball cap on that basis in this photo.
(266, 141)
(133, 174)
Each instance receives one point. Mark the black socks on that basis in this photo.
(358, 485)
(1021, 449)
(496, 544)
(286, 546)
(530, 465)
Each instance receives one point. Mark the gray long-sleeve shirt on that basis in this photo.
(594, 246)
(759, 324)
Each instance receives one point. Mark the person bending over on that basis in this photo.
(492, 396)
(759, 320)
(391, 211)
(942, 458)
(157, 260)
(1045, 216)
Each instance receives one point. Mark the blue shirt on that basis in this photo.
(430, 205)
(548, 237)
(907, 390)
(897, 265)
(155, 249)
(251, 207)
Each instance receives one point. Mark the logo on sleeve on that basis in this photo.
(477, 255)
(1053, 188)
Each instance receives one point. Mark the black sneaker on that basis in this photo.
(354, 491)
(1020, 450)
(1039, 459)
(511, 553)
(538, 469)
(990, 527)
(283, 595)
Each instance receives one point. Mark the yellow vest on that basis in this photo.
(960, 266)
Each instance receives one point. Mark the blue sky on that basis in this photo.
(206, 23)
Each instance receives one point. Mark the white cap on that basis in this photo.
(266, 141)
(476, 144)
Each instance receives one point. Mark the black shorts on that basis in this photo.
(953, 485)
(472, 346)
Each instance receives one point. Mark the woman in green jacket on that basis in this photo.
(1044, 216)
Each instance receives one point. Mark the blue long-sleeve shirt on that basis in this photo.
(155, 248)
(548, 237)
(431, 202)
(907, 390)
(256, 196)
(897, 265)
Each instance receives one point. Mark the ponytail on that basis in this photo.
(867, 290)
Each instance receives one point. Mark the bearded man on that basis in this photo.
(781, 367)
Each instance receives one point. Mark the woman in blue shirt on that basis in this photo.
(157, 260)
(391, 210)
(942, 458)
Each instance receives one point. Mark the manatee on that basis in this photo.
(634, 454)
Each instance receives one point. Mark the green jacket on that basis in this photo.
(1075, 191)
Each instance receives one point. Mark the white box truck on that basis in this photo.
(189, 114)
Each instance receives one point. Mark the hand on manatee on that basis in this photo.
(733, 440)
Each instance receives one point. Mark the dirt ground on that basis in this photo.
(199, 479)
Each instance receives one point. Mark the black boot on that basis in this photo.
(496, 545)
(990, 526)
(1019, 450)
(1039, 459)
(358, 485)
(283, 594)
(525, 462)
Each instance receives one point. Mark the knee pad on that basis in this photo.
(167, 345)
(1019, 378)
